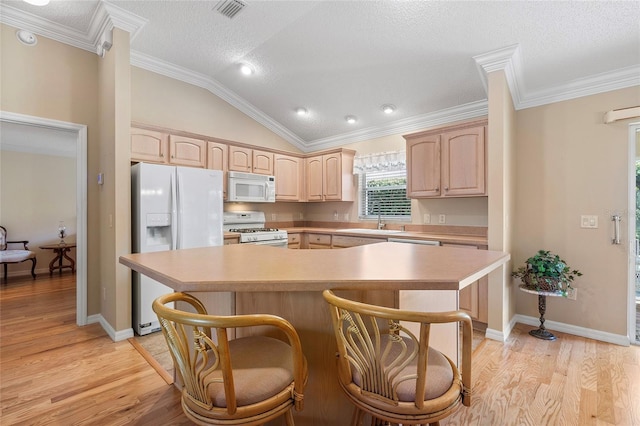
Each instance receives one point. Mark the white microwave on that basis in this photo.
(251, 188)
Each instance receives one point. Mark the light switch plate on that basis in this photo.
(589, 221)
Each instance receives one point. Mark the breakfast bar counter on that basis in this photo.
(247, 267)
(245, 279)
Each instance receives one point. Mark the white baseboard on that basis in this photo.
(116, 336)
(589, 333)
(500, 336)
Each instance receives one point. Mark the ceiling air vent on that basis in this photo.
(230, 8)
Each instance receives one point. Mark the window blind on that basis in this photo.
(384, 193)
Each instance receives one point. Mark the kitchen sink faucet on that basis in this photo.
(380, 224)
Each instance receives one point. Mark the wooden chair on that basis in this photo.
(245, 381)
(15, 256)
(388, 372)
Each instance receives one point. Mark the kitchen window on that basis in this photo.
(384, 193)
(382, 186)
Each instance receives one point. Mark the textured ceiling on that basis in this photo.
(350, 57)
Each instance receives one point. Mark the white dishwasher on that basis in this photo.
(409, 241)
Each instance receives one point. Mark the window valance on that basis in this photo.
(380, 162)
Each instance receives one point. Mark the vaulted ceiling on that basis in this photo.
(340, 58)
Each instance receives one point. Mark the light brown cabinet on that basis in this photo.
(231, 240)
(449, 162)
(149, 146)
(344, 241)
(294, 241)
(184, 151)
(218, 159)
(289, 173)
(329, 177)
(474, 299)
(249, 160)
(318, 241)
(159, 147)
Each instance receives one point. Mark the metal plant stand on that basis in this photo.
(541, 332)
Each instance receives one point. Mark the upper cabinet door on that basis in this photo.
(218, 159)
(262, 162)
(187, 151)
(288, 172)
(332, 183)
(240, 159)
(423, 166)
(463, 165)
(314, 178)
(149, 146)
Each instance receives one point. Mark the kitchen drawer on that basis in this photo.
(319, 241)
(294, 241)
(341, 241)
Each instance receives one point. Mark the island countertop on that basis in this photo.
(247, 267)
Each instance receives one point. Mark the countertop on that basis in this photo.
(248, 267)
(410, 235)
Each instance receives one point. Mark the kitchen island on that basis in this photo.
(248, 278)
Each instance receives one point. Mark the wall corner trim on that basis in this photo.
(116, 336)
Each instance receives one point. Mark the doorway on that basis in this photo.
(78, 133)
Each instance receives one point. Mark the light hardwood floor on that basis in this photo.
(53, 372)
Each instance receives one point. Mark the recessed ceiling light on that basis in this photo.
(37, 2)
(26, 37)
(246, 69)
(301, 111)
(351, 119)
(388, 108)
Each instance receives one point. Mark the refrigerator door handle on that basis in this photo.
(174, 211)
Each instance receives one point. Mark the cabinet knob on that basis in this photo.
(446, 188)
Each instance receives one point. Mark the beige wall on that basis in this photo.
(162, 101)
(36, 193)
(115, 193)
(570, 163)
(500, 166)
(56, 81)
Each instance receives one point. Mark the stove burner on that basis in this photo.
(250, 230)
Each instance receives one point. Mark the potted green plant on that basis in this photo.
(546, 271)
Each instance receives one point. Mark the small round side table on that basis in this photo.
(541, 332)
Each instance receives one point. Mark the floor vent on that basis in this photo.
(230, 8)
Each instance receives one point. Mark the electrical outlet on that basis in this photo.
(572, 294)
(426, 218)
(442, 218)
(273, 216)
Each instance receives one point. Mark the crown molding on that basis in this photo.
(106, 17)
(406, 125)
(600, 83)
(43, 27)
(509, 60)
(176, 72)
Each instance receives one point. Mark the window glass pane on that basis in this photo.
(384, 193)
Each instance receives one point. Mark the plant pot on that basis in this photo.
(537, 283)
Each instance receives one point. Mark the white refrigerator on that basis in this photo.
(172, 208)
